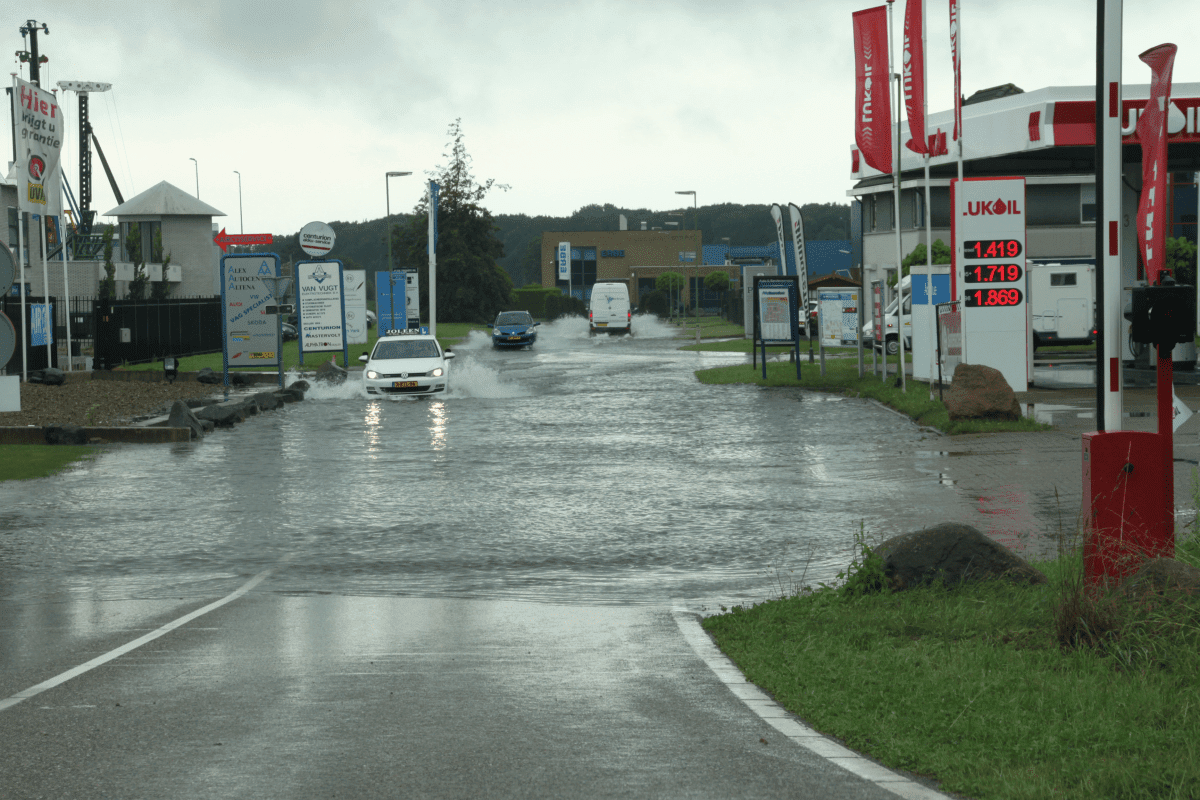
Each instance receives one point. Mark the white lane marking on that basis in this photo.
(57, 680)
(782, 720)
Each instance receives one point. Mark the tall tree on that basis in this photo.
(471, 285)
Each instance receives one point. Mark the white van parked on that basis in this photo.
(609, 310)
(1062, 301)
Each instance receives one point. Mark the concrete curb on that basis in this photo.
(786, 723)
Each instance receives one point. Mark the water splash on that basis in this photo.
(471, 378)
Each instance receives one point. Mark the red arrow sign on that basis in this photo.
(223, 238)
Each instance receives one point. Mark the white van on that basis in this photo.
(609, 309)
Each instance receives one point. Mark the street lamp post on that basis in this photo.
(673, 303)
(696, 258)
(241, 224)
(197, 163)
(387, 187)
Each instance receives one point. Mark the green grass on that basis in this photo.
(841, 375)
(974, 686)
(743, 345)
(710, 327)
(449, 334)
(20, 462)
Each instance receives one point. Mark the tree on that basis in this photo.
(941, 255)
(471, 286)
(1181, 260)
(717, 282)
(672, 283)
(108, 285)
(137, 286)
(160, 289)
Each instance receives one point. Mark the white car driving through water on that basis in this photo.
(407, 362)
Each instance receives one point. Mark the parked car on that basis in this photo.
(514, 329)
(812, 318)
(410, 362)
(289, 332)
(371, 319)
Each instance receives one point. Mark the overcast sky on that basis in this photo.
(568, 103)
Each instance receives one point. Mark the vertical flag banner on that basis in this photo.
(872, 100)
(956, 60)
(801, 261)
(433, 214)
(777, 215)
(913, 74)
(564, 261)
(39, 132)
(1152, 133)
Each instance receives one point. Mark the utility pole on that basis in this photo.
(30, 29)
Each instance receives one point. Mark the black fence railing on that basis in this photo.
(139, 331)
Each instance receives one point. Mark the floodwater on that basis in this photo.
(583, 470)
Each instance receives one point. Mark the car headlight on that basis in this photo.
(437, 373)
(372, 374)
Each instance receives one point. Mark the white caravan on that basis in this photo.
(1062, 301)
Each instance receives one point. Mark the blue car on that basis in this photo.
(514, 329)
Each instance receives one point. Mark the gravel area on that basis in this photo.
(100, 402)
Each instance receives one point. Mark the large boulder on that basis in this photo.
(182, 417)
(206, 375)
(223, 415)
(65, 434)
(952, 553)
(329, 372)
(1158, 575)
(267, 401)
(979, 392)
(51, 376)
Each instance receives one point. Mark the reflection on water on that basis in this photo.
(581, 470)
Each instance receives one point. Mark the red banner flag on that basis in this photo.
(872, 100)
(956, 59)
(914, 74)
(1152, 132)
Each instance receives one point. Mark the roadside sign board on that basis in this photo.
(990, 276)
(412, 298)
(356, 305)
(320, 299)
(316, 239)
(224, 239)
(776, 314)
(776, 304)
(390, 300)
(251, 335)
(837, 313)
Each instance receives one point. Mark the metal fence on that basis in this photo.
(139, 331)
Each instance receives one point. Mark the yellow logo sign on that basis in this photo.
(262, 355)
(37, 193)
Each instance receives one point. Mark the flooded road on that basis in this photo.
(583, 470)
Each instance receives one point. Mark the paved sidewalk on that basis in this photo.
(1028, 487)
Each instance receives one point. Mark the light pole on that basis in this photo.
(676, 225)
(197, 163)
(387, 191)
(696, 258)
(241, 224)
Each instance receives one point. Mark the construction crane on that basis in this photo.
(87, 137)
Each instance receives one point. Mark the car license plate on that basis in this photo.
(403, 384)
(514, 338)
(601, 324)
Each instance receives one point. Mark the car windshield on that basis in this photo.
(413, 348)
(514, 318)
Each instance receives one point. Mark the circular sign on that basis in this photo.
(8, 269)
(8, 339)
(316, 239)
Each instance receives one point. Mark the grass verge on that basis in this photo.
(21, 462)
(841, 375)
(449, 334)
(989, 688)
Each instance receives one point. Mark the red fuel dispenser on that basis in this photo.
(1128, 477)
